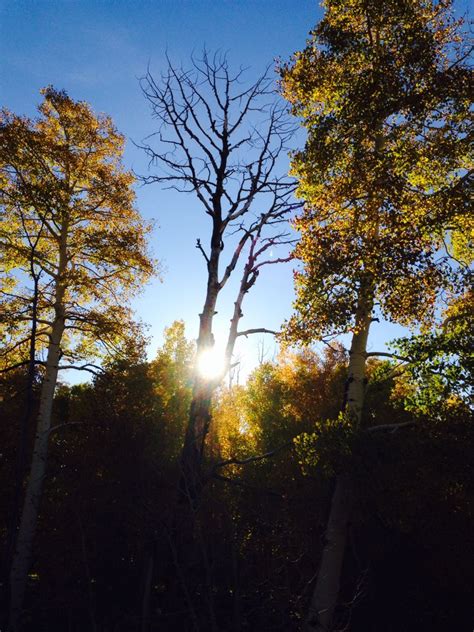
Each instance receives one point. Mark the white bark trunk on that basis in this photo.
(24, 541)
(326, 591)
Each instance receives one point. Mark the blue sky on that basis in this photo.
(97, 50)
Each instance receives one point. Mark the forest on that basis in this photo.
(332, 488)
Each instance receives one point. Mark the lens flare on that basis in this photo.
(210, 363)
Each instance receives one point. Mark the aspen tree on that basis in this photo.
(64, 191)
(383, 90)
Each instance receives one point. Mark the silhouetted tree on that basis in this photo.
(222, 142)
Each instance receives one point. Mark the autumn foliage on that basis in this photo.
(332, 488)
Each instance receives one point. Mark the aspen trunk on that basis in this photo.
(200, 414)
(22, 556)
(24, 541)
(22, 450)
(326, 591)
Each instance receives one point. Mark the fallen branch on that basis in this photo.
(68, 424)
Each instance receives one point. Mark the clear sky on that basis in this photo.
(97, 50)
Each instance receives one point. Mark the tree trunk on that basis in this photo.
(200, 411)
(247, 281)
(196, 432)
(326, 591)
(199, 414)
(22, 448)
(24, 541)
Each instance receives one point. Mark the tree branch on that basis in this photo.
(257, 330)
(201, 249)
(386, 354)
(253, 459)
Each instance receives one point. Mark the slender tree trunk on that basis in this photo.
(246, 282)
(200, 415)
(188, 555)
(326, 591)
(22, 446)
(203, 389)
(24, 541)
(198, 422)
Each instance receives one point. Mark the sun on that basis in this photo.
(211, 363)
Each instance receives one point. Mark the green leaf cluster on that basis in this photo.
(328, 448)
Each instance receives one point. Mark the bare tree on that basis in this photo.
(221, 140)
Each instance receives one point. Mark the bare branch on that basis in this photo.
(258, 330)
(253, 459)
(222, 141)
(91, 368)
(386, 354)
(70, 424)
(17, 365)
(201, 249)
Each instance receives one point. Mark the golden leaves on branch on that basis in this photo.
(383, 91)
(71, 222)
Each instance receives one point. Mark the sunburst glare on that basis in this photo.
(210, 363)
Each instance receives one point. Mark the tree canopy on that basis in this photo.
(69, 222)
(383, 89)
(330, 489)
